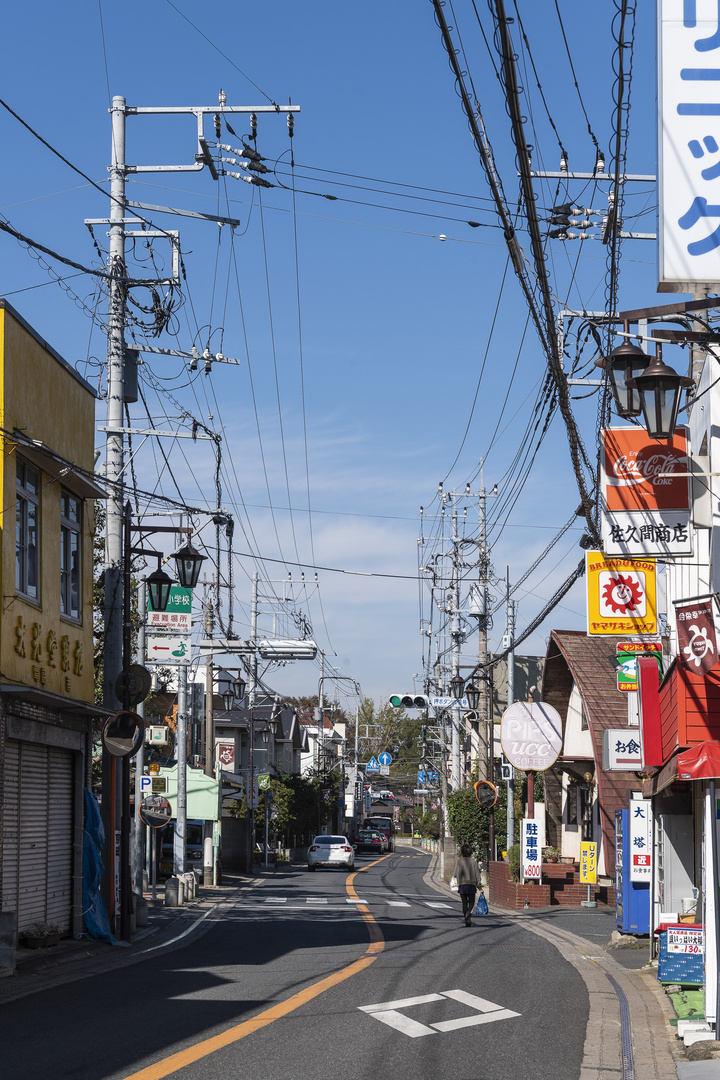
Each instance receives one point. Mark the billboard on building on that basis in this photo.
(621, 597)
(645, 493)
(688, 144)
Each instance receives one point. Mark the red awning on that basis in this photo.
(701, 762)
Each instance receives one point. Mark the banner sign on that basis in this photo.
(640, 819)
(588, 863)
(621, 595)
(697, 640)
(685, 939)
(532, 841)
(226, 754)
(645, 505)
(688, 105)
(627, 653)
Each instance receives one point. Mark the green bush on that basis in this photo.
(514, 862)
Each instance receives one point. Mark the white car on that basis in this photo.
(331, 851)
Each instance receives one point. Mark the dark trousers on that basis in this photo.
(468, 898)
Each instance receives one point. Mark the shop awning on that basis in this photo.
(701, 762)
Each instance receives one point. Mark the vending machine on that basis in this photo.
(633, 870)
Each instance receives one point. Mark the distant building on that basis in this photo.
(47, 413)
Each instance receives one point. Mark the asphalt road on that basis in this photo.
(406, 992)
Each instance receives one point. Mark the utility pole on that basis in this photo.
(510, 624)
(253, 637)
(486, 705)
(138, 828)
(179, 846)
(456, 637)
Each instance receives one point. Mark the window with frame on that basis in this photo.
(70, 554)
(27, 531)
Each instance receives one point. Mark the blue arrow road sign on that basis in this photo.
(372, 766)
(384, 758)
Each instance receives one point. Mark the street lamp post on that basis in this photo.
(158, 584)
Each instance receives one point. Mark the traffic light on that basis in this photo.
(409, 701)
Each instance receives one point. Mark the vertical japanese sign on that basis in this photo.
(532, 841)
(627, 653)
(588, 863)
(697, 640)
(645, 493)
(621, 596)
(640, 823)
(688, 142)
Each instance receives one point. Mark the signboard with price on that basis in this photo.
(685, 939)
(532, 841)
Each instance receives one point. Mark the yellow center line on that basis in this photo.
(203, 1049)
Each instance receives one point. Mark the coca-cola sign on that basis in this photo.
(641, 475)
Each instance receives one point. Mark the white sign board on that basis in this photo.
(446, 702)
(688, 140)
(640, 820)
(531, 735)
(685, 939)
(532, 841)
(176, 618)
(638, 534)
(622, 751)
(167, 649)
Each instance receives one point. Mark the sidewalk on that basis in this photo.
(629, 1034)
(41, 969)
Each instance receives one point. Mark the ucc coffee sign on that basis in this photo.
(531, 735)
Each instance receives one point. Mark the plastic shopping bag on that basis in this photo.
(454, 884)
(481, 908)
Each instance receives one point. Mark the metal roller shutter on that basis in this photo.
(37, 833)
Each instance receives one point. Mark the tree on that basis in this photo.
(470, 822)
(392, 730)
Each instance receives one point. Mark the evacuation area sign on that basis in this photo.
(621, 595)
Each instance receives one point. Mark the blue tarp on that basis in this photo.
(95, 916)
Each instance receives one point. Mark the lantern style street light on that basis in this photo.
(623, 365)
(238, 686)
(158, 584)
(659, 389)
(228, 700)
(472, 693)
(187, 564)
(457, 685)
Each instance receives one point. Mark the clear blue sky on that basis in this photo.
(395, 323)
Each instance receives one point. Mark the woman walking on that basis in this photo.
(467, 873)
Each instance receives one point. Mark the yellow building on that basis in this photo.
(47, 423)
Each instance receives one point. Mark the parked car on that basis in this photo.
(367, 840)
(193, 847)
(330, 851)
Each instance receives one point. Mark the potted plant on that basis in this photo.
(550, 854)
(42, 933)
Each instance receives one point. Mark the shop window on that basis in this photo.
(70, 555)
(572, 804)
(27, 531)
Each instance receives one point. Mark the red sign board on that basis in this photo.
(637, 468)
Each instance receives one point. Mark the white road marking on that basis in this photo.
(434, 903)
(397, 903)
(316, 900)
(275, 900)
(486, 1012)
(349, 901)
(401, 1003)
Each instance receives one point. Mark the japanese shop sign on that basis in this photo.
(178, 613)
(531, 735)
(532, 841)
(588, 863)
(225, 753)
(685, 939)
(627, 653)
(640, 818)
(621, 595)
(645, 506)
(688, 142)
(622, 751)
(697, 640)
